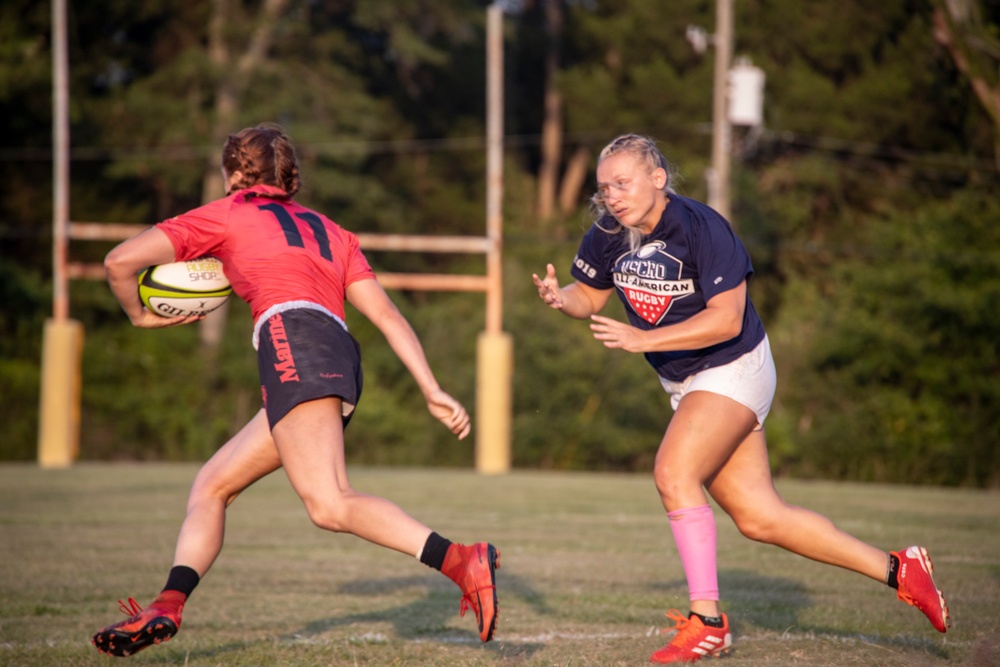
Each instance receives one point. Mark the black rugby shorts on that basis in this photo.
(304, 354)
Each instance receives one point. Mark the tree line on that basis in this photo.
(867, 200)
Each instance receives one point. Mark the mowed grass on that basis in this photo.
(588, 569)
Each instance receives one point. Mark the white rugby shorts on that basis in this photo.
(749, 380)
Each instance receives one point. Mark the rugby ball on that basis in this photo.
(194, 287)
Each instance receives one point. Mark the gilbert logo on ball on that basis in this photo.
(194, 287)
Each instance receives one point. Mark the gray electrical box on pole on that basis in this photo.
(746, 94)
(737, 99)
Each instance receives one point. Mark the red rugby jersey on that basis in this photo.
(272, 250)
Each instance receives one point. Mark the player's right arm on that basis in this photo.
(371, 301)
(124, 263)
(575, 300)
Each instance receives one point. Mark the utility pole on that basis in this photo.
(718, 176)
(737, 99)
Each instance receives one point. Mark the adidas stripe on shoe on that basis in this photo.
(694, 640)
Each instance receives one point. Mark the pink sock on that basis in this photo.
(694, 533)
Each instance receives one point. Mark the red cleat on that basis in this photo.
(474, 568)
(916, 586)
(144, 627)
(694, 640)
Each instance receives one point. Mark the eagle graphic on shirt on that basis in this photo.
(650, 280)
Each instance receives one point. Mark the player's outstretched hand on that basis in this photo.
(450, 413)
(151, 320)
(548, 288)
(617, 335)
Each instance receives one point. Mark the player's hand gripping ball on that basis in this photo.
(195, 287)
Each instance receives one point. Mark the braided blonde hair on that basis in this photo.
(644, 149)
(263, 155)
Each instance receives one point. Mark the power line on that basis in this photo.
(818, 143)
(882, 152)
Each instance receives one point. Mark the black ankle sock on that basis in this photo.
(434, 551)
(710, 621)
(182, 578)
(892, 578)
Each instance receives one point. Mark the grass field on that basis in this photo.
(588, 569)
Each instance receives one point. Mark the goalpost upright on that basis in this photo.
(59, 414)
(62, 341)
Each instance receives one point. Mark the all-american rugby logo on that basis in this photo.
(650, 279)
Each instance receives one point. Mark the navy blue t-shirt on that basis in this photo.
(691, 256)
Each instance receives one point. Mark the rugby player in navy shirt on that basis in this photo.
(681, 274)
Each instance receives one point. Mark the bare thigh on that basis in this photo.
(743, 486)
(703, 434)
(310, 440)
(744, 489)
(245, 458)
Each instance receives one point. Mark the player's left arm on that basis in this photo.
(721, 320)
(123, 264)
(371, 301)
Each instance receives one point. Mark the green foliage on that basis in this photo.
(866, 202)
(392, 424)
(577, 405)
(25, 105)
(906, 354)
(22, 321)
(158, 395)
(658, 85)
